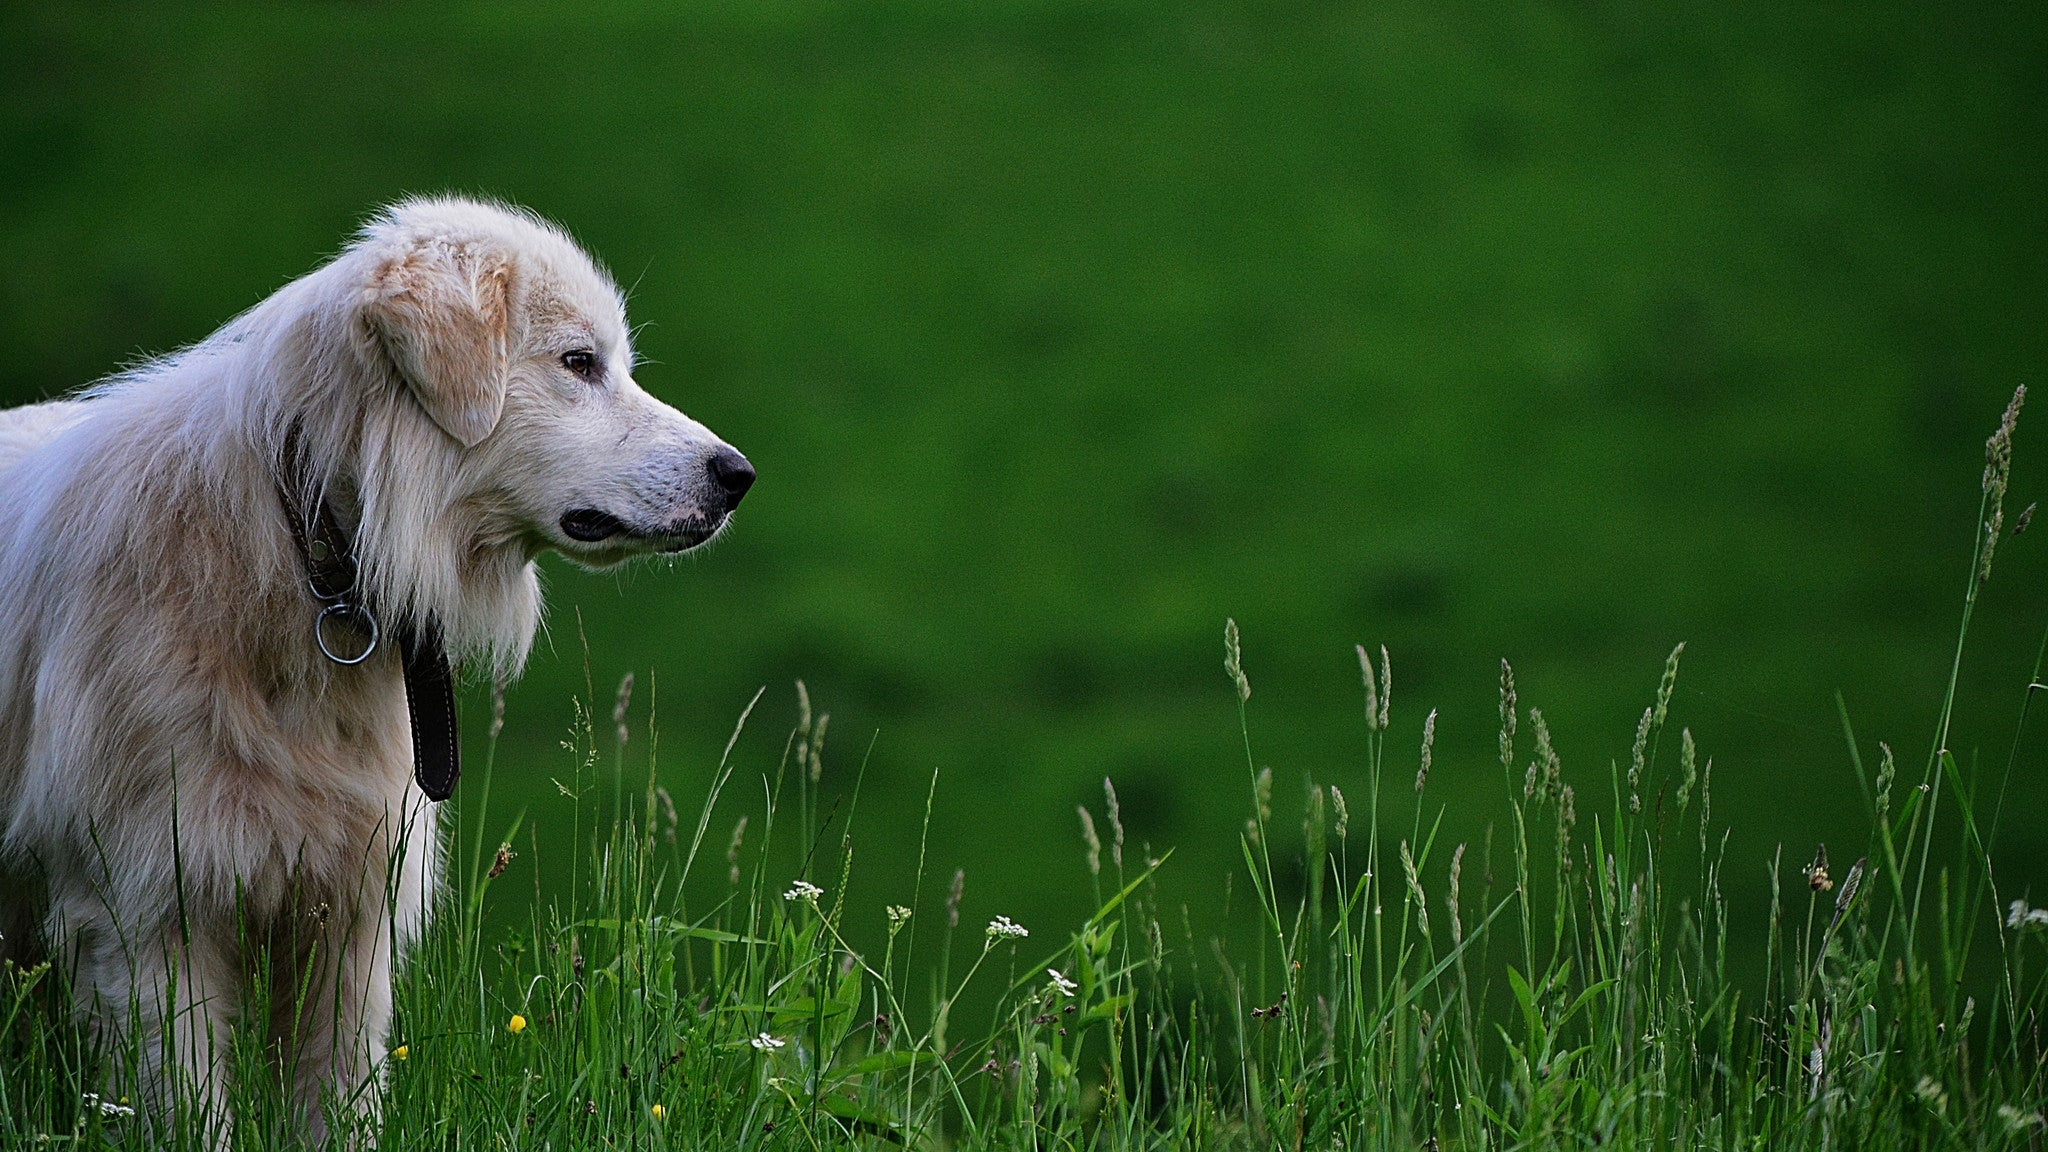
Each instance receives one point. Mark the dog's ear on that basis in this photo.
(443, 314)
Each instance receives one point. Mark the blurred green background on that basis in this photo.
(1061, 330)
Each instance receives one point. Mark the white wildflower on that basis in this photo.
(1932, 1094)
(2018, 1121)
(2021, 916)
(108, 1107)
(1003, 928)
(1060, 983)
(766, 1043)
(805, 891)
(898, 914)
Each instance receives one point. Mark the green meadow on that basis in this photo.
(1580, 980)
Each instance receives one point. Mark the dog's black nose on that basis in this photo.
(733, 474)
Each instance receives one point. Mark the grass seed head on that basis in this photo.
(1415, 889)
(497, 708)
(1669, 682)
(668, 812)
(1343, 812)
(1451, 894)
(1116, 824)
(1428, 741)
(1998, 449)
(817, 753)
(1637, 757)
(1567, 818)
(1633, 930)
(1089, 838)
(1688, 767)
(732, 850)
(1850, 884)
(1386, 686)
(1997, 473)
(953, 896)
(1233, 661)
(1887, 771)
(1312, 822)
(1706, 801)
(1546, 772)
(1372, 690)
(619, 707)
(1507, 716)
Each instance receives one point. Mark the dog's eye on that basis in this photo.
(582, 362)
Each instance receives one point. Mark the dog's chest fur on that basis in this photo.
(289, 774)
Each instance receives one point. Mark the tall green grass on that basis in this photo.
(1567, 982)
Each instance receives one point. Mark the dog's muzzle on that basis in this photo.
(731, 476)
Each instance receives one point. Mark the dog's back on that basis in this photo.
(24, 429)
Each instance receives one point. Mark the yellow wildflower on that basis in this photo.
(516, 1025)
(402, 1051)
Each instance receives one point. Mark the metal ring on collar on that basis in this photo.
(352, 610)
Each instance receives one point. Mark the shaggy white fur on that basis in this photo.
(189, 790)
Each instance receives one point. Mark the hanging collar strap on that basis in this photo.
(347, 632)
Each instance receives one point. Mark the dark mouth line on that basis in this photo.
(591, 526)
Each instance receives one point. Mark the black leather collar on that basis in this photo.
(333, 579)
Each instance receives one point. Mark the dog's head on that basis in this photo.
(514, 343)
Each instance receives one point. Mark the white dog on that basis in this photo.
(197, 777)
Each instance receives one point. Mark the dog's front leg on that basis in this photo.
(336, 1034)
(163, 997)
(200, 981)
(334, 1037)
